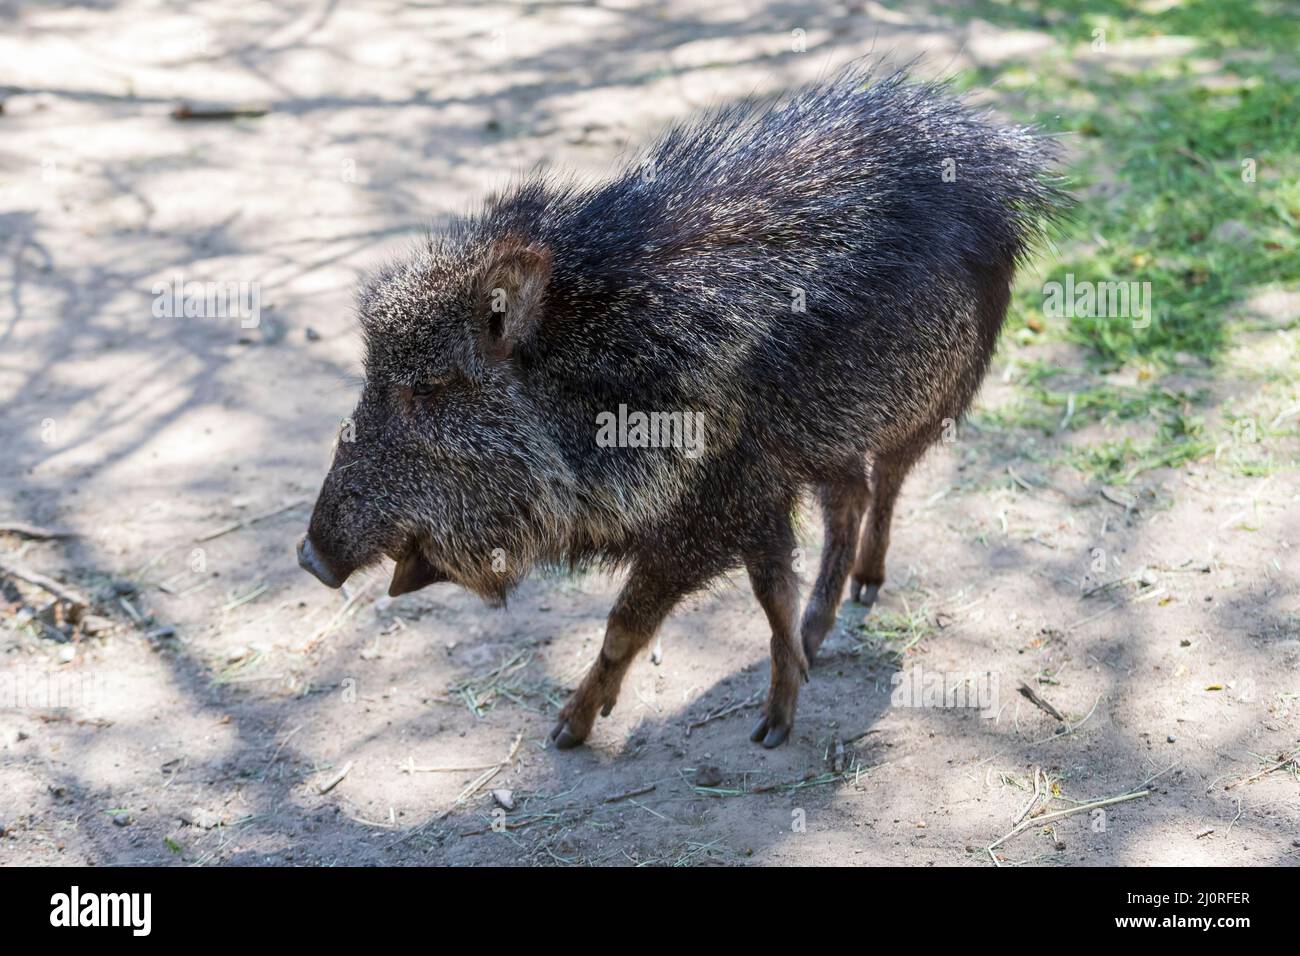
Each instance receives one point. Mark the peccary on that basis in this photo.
(819, 283)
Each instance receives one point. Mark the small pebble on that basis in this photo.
(199, 817)
(122, 819)
(708, 777)
(1170, 738)
(93, 624)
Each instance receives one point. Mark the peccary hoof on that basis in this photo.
(768, 734)
(865, 594)
(564, 738)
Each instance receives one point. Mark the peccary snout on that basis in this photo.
(348, 532)
(310, 561)
(332, 567)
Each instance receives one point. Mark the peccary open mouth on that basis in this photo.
(413, 572)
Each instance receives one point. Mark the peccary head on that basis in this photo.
(446, 465)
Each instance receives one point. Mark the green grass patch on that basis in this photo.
(1186, 174)
(1179, 439)
(1043, 404)
(1181, 123)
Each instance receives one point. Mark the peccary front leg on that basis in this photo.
(641, 606)
(772, 576)
(843, 504)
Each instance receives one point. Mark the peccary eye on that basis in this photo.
(424, 389)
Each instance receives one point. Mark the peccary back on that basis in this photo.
(820, 279)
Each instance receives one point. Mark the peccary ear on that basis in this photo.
(512, 293)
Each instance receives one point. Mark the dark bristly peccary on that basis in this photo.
(813, 288)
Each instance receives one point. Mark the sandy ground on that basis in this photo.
(217, 690)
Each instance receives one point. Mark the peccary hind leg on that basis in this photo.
(887, 474)
(641, 606)
(843, 504)
(772, 576)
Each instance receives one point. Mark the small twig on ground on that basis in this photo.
(1146, 595)
(252, 595)
(1128, 504)
(333, 622)
(717, 714)
(654, 813)
(1154, 777)
(465, 794)
(856, 737)
(1189, 565)
(1020, 481)
(769, 787)
(383, 825)
(1032, 800)
(1237, 817)
(1091, 618)
(252, 519)
(36, 533)
(1045, 706)
(1069, 413)
(1292, 757)
(335, 780)
(639, 791)
(139, 573)
(75, 600)
(51, 717)
(1107, 585)
(187, 111)
(1284, 415)
(130, 609)
(411, 767)
(1069, 727)
(836, 756)
(1039, 821)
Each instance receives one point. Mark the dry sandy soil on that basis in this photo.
(216, 690)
